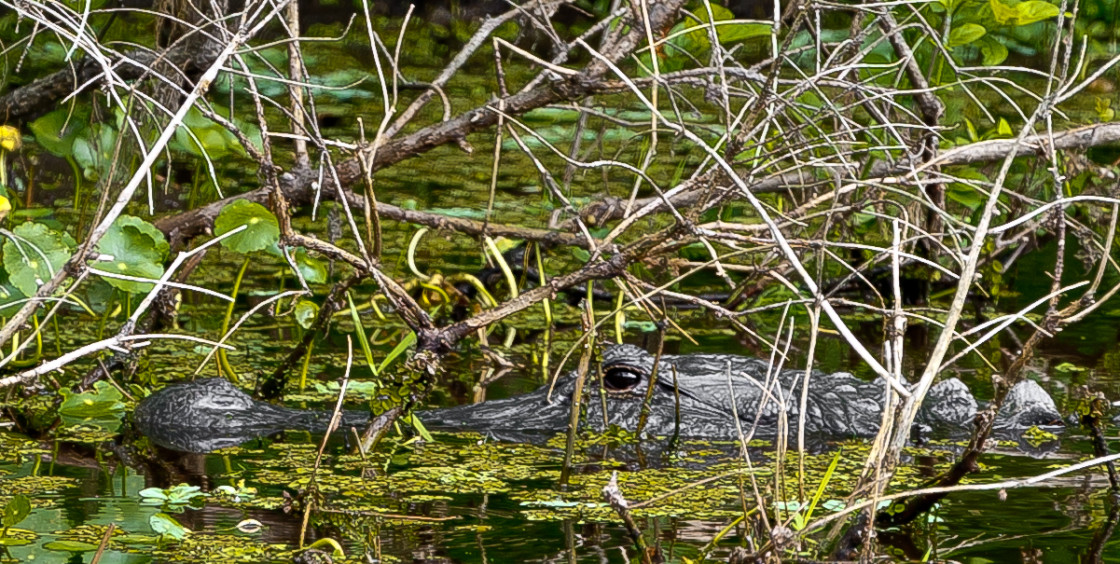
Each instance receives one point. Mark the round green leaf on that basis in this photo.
(132, 249)
(261, 227)
(313, 271)
(57, 131)
(306, 312)
(16, 510)
(151, 231)
(35, 255)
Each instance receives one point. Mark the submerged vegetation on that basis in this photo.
(398, 208)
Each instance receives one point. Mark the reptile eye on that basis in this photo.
(622, 378)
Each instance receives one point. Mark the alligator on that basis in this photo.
(715, 396)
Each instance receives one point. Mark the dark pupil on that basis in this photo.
(621, 378)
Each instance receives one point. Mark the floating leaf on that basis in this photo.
(305, 313)
(313, 271)
(35, 255)
(18, 537)
(153, 493)
(16, 510)
(262, 229)
(166, 525)
(137, 249)
(181, 494)
(70, 546)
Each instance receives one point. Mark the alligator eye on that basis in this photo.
(622, 378)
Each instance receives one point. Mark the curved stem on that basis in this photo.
(223, 360)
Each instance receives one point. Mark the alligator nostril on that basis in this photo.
(622, 378)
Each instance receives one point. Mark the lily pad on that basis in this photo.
(262, 229)
(17, 509)
(305, 313)
(35, 255)
(166, 525)
(70, 546)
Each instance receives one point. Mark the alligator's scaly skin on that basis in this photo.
(211, 413)
(716, 387)
(205, 415)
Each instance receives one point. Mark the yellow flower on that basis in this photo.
(9, 138)
(5, 207)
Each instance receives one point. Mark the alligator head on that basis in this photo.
(211, 413)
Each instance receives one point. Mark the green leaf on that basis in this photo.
(313, 271)
(972, 134)
(25, 537)
(305, 313)
(101, 407)
(1004, 13)
(70, 546)
(1003, 129)
(151, 231)
(164, 524)
(16, 510)
(994, 52)
(137, 249)
(397, 351)
(1104, 109)
(84, 153)
(104, 399)
(1035, 11)
(209, 138)
(57, 131)
(262, 228)
(38, 255)
(154, 493)
(739, 31)
(964, 195)
(965, 34)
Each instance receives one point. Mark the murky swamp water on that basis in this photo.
(465, 498)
